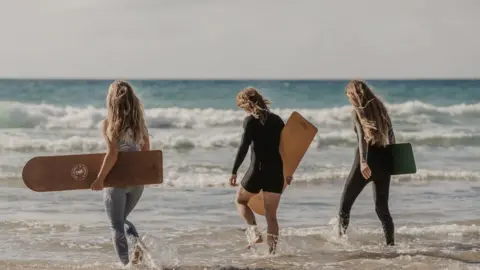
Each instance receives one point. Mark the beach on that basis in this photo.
(190, 221)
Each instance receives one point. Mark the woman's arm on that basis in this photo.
(108, 161)
(360, 137)
(146, 143)
(244, 144)
(362, 144)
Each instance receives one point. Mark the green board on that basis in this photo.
(403, 160)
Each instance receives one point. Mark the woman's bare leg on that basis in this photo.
(271, 201)
(243, 197)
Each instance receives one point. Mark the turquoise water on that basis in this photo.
(191, 220)
(221, 94)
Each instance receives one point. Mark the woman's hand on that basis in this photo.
(97, 184)
(289, 179)
(366, 172)
(233, 180)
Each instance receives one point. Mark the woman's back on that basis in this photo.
(126, 143)
(266, 139)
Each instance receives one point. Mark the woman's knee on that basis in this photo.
(272, 201)
(241, 200)
(243, 197)
(382, 210)
(117, 225)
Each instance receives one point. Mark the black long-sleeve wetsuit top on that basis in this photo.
(264, 141)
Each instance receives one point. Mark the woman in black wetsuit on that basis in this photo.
(262, 130)
(374, 130)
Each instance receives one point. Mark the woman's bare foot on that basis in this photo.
(272, 249)
(272, 243)
(257, 236)
(258, 240)
(137, 254)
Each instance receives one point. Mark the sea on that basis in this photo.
(190, 221)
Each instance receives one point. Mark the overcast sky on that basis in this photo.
(227, 39)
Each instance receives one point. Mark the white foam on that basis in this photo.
(445, 229)
(68, 141)
(23, 115)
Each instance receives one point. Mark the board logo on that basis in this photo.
(79, 172)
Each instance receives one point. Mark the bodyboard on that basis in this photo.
(73, 172)
(296, 137)
(402, 159)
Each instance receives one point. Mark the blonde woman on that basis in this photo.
(123, 130)
(374, 131)
(262, 130)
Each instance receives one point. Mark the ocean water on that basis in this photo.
(190, 221)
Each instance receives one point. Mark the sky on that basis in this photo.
(231, 39)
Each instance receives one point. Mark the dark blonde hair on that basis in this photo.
(125, 113)
(254, 103)
(371, 112)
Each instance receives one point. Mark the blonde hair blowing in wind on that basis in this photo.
(254, 103)
(371, 112)
(125, 113)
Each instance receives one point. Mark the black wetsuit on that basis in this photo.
(378, 160)
(266, 167)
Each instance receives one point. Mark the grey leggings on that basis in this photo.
(119, 202)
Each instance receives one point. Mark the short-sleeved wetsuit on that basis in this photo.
(266, 167)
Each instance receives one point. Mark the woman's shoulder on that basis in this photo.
(269, 113)
(353, 114)
(354, 117)
(248, 120)
(275, 116)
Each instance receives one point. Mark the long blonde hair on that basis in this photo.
(125, 113)
(371, 111)
(254, 103)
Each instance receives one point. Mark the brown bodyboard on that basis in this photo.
(296, 137)
(73, 172)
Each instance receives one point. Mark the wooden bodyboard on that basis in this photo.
(73, 172)
(296, 137)
(402, 159)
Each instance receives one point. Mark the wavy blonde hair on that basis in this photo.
(254, 103)
(371, 112)
(125, 113)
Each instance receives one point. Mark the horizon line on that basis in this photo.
(237, 79)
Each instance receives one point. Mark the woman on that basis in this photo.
(262, 130)
(374, 131)
(123, 130)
